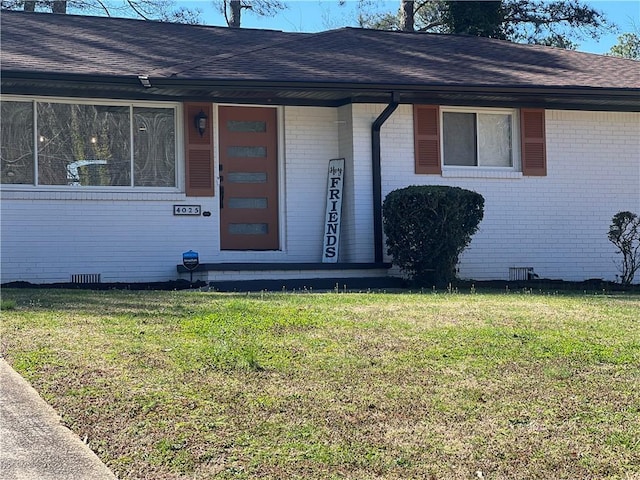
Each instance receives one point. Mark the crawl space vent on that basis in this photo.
(85, 278)
(520, 273)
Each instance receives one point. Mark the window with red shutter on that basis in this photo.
(486, 138)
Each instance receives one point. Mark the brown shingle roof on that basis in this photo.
(364, 65)
(378, 57)
(74, 44)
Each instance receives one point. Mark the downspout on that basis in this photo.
(377, 175)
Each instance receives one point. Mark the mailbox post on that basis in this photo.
(190, 261)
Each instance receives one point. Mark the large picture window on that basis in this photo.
(88, 145)
(16, 142)
(481, 138)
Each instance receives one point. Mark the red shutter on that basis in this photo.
(199, 152)
(426, 137)
(534, 148)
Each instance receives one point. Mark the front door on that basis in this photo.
(248, 178)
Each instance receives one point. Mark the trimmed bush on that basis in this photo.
(428, 227)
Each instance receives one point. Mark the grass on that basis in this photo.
(192, 385)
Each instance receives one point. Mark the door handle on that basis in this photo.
(220, 168)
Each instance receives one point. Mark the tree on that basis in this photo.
(407, 10)
(480, 19)
(59, 6)
(232, 9)
(628, 46)
(421, 15)
(624, 233)
(555, 23)
(163, 10)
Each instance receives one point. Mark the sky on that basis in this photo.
(317, 15)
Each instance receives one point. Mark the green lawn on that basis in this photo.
(193, 385)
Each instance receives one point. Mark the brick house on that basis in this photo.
(126, 143)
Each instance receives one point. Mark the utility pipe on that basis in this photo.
(377, 175)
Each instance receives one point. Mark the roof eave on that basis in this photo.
(318, 93)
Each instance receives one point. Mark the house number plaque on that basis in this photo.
(187, 209)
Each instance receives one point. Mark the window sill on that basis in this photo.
(36, 193)
(479, 173)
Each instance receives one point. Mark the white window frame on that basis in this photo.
(179, 146)
(515, 140)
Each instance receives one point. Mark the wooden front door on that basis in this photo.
(248, 178)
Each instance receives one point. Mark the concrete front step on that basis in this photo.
(279, 276)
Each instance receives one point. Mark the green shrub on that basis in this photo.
(428, 227)
(624, 233)
(7, 304)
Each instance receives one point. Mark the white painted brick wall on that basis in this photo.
(311, 141)
(46, 239)
(363, 117)
(348, 234)
(49, 235)
(557, 224)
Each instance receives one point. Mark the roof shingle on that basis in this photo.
(110, 47)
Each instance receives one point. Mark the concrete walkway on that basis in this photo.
(33, 443)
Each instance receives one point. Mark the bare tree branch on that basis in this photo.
(135, 8)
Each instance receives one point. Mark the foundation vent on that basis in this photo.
(521, 273)
(85, 278)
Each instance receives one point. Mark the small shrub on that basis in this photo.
(7, 304)
(428, 227)
(624, 233)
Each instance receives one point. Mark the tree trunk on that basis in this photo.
(59, 6)
(29, 6)
(406, 15)
(235, 8)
